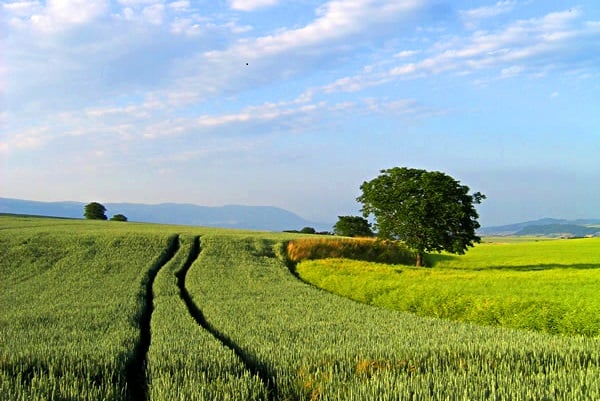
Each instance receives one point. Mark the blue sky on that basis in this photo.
(295, 103)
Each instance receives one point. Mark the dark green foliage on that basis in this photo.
(308, 230)
(118, 217)
(94, 211)
(352, 226)
(429, 211)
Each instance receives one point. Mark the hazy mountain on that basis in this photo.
(231, 216)
(556, 230)
(544, 226)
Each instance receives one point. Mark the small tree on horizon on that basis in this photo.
(94, 211)
(428, 211)
(118, 217)
(352, 226)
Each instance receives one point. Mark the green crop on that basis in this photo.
(134, 312)
(549, 286)
(185, 361)
(314, 345)
(71, 302)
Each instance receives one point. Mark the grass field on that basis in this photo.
(71, 306)
(549, 286)
(136, 312)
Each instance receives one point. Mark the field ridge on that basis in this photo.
(137, 387)
(250, 362)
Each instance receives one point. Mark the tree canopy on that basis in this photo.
(352, 226)
(427, 210)
(118, 217)
(94, 211)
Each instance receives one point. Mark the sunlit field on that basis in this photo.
(121, 311)
(549, 285)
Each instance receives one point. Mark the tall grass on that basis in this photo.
(232, 323)
(71, 297)
(185, 361)
(549, 286)
(351, 248)
(319, 346)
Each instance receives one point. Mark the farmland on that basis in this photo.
(550, 286)
(112, 311)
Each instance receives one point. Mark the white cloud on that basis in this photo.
(335, 20)
(250, 5)
(531, 45)
(154, 14)
(179, 5)
(29, 139)
(288, 52)
(132, 111)
(153, 126)
(401, 108)
(22, 8)
(406, 53)
(237, 29)
(511, 71)
(186, 26)
(356, 83)
(134, 3)
(59, 15)
(472, 16)
(264, 112)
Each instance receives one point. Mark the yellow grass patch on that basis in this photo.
(368, 249)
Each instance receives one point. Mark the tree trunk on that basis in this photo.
(419, 259)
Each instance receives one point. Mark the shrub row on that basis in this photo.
(349, 248)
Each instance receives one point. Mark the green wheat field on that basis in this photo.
(95, 310)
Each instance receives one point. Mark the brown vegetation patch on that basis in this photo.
(368, 249)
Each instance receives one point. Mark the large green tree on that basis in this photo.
(94, 211)
(427, 210)
(352, 226)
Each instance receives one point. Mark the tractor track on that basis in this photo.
(135, 371)
(250, 362)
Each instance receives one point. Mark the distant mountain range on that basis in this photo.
(266, 218)
(547, 227)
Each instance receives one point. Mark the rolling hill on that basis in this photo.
(267, 218)
(547, 227)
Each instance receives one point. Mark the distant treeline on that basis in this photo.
(308, 230)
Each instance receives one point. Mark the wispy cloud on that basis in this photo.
(531, 45)
(22, 8)
(28, 139)
(290, 51)
(249, 5)
(335, 20)
(282, 113)
(472, 17)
